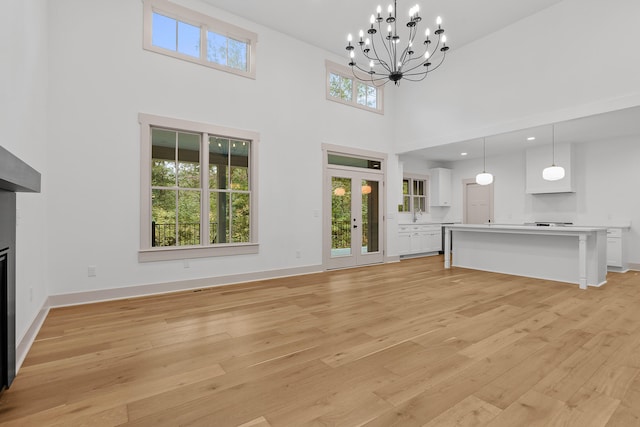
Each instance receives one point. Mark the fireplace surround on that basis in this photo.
(15, 176)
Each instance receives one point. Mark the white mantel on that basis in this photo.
(564, 254)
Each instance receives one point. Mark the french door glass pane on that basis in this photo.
(340, 216)
(370, 217)
(188, 217)
(163, 218)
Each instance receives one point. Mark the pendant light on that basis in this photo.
(484, 178)
(553, 172)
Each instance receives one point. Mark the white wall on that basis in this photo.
(577, 58)
(101, 78)
(606, 174)
(23, 125)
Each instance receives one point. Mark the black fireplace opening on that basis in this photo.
(4, 319)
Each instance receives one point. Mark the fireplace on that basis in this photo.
(15, 176)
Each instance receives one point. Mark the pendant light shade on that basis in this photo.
(553, 172)
(484, 178)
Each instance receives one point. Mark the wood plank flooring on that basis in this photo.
(405, 344)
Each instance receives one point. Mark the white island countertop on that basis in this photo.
(571, 254)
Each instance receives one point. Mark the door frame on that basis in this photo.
(326, 200)
(465, 183)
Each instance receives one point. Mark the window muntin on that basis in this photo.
(343, 87)
(414, 194)
(198, 190)
(180, 32)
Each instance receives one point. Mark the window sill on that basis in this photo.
(169, 254)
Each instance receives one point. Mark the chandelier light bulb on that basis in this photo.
(426, 55)
(349, 38)
(352, 54)
(439, 21)
(390, 10)
(389, 28)
(372, 20)
(361, 34)
(367, 41)
(379, 10)
(444, 39)
(371, 64)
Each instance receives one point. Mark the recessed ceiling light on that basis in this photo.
(531, 138)
(463, 154)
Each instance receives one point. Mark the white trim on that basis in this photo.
(341, 70)
(206, 23)
(23, 347)
(633, 266)
(77, 298)
(146, 252)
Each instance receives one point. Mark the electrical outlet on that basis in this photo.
(91, 271)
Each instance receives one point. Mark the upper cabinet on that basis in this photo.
(440, 187)
(541, 157)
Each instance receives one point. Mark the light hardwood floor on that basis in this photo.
(407, 344)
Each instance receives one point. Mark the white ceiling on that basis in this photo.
(599, 127)
(326, 23)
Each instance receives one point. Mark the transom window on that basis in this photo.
(182, 33)
(343, 87)
(198, 189)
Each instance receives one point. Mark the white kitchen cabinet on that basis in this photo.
(540, 157)
(440, 187)
(616, 243)
(419, 239)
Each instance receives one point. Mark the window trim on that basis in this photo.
(427, 189)
(205, 23)
(148, 253)
(346, 72)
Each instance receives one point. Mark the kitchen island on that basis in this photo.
(564, 254)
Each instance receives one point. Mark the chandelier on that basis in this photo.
(389, 61)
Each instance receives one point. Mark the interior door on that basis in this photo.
(479, 204)
(355, 219)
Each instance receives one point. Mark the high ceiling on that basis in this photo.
(326, 23)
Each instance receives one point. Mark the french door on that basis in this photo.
(354, 218)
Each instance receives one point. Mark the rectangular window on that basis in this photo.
(414, 194)
(185, 34)
(344, 87)
(198, 190)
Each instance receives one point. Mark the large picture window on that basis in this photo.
(198, 190)
(185, 34)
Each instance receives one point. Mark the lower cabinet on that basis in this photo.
(418, 239)
(615, 252)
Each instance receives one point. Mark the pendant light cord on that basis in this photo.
(553, 145)
(484, 155)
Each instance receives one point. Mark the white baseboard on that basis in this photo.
(77, 298)
(633, 266)
(22, 348)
